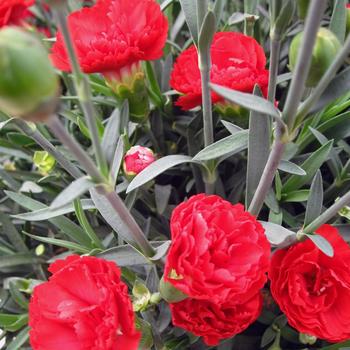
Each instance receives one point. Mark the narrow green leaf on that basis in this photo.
(296, 196)
(73, 191)
(284, 17)
(207, 32)
(310, 166)
(19, 339)
(277, 235)
(338, 19)
(227, 146)
(219, 9)
(339, 86)
(165, 4)
(315, 201)
(48, 213)
(189, 8)
(334, 163)
(111, 134)
(258, 149)
(7, 178)
(162, 195)
(71, 229)
(12, 234)
(153, 85)
(161, 251)
(249, 101)
(156, 168)
(291, 168)
(84, 223)
(18, 259)
(124, 255)
(117, 160)
(60, 242)
(232, 128)
(322, 244)
(13, 323)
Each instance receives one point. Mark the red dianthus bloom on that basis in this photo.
(14, 12)
(312, 289)
(113, 34)
(215, 322)
(238, 62)
(84, 305)
(218, 251)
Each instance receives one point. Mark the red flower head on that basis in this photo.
(114, 34)
(84, 305)
(137, 159)
(14, 12)
(238, 62)
(218, 251)
(215, 321)
(312, 289)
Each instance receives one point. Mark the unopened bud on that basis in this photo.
(325, 50)
(137, 159)
(307, 339)
(29, 86)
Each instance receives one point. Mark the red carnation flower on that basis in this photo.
(312, 289)
(215, 322)
(14, 12)
(238, 62)
(114, 34)
(218, 251)
(84, 305)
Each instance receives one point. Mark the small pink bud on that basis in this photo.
(137, 159)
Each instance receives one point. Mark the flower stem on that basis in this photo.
(328, 214)
(268, 173)
(82, 87)
(324, 82)
(294, 95)
(302, 67)
(273, 66)
(80, 155)
(49, 147)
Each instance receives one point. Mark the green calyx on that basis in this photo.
(325, 50)
(169, 293)
(29, 86)
(131, 85)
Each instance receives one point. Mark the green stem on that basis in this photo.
(324, 82)
(328, 214)
(83, 91)
(302, 67)
(275, 46)
(49, 147)
(268, 173)
(80, 155)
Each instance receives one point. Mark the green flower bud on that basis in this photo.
(303, 6)
(325, 50)
(142, 296)
(29, 86)
(169, 293)
(44, 161)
